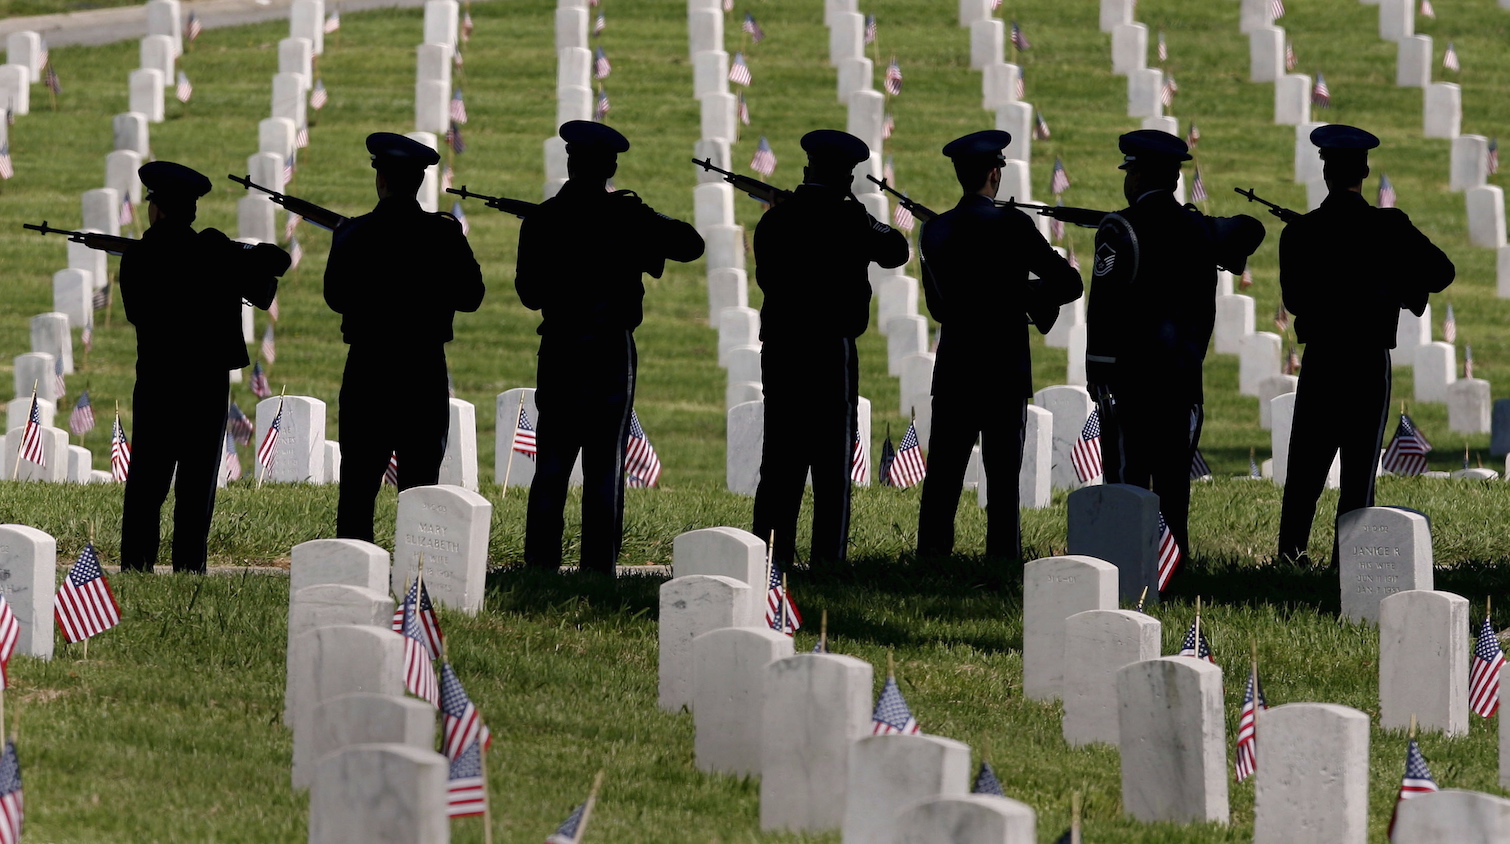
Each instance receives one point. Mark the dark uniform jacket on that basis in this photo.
(582, 255)
(1347, 268)
(398, 275)
(1153, 294)
(183, 289)
(812, 258)
(978, 257)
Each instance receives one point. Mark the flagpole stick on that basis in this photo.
(263, 474)
(1197, 627)
(823, 633)
(891, 664)
(592, 799)
(508, 466)
(1412, 733)
(786, 598)
(487, 800)
(15, 470)
(1141, 598)
(1075, 817)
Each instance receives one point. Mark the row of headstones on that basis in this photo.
(574, 78)
(64, 463)
(278, 135)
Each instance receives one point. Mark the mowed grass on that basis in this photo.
(169, 731)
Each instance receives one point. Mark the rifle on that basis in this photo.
(769, 194)
(518, 207)
(322, 217)
(94, 240)
(922, 212)
(1285, 215)
(1083, 217)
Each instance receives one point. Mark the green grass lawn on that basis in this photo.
(169, 732)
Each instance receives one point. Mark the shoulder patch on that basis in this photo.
(880, 226)
(1106, 259)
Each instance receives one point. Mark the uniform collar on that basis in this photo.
(1154, 195)
(399, 203)
(1344, 199)
(974, 199)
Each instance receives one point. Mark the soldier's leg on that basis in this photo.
(1114, 435)
(1361, 442)
(1314, 439)
(1001, 456)
(955, 430)
(1172, 445)
(604, 440)
(201, 450)
(558, 438)
(153, 434)
(366, 444)
(834, 446)
(420, 442)
(784, 459)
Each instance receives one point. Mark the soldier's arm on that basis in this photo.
(252, 269)
(1295, 284)
(886, 246)
(932, 296)
(531, 272)
(1428, 268)
(466, 274)
(1115, 263)
(1057, 282)
(340, 269)
(679, 239)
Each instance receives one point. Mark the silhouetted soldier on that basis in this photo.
(582, 256)
(183, 291)
(1346, 270)
(1149, 320)
(812, 254)
(977, 260)
(397, 277)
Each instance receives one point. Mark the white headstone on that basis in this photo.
(1268, 389)
(1411, 332)
(1035, 477)
(1016, 119)
(1055, 588)
(277, 135)
(705, 30)
(290, 96)
(80, 465)
(50, 334)
(429, 189)
(380, 794)
(1436, 368)
(746, 427)
(917, 392)
(1423, 661)
(905, 336)
(332, 454)
(720, 116)
(159, 52)
(1173, 740)
(999, 85)
(130, 132)
(1444, 109)
(25, 48)
(713, 204)
(1097, 644)
(73, 295)
(120, 173)
(1258, 358)
(1486, 216)
(1144, 92)
(846, 37)
(146, 85)
(690, 606)
(1313, 782)
(855, 74)
(1114, 12)
(448, 526)
(54, 454)
(896, 296)
(15, 88)
(867, 116)
(744, 363)
(1234, 321)
(1129, 48)
(724, 552)
(1397, 19)
(891, 772)
(1307, 155)
(737, 326)
(16, 411)
(1266, 54)
(717, 151)
(1413, 62)
(1119, 524)
(432, 106)
(256, 218)
(725, 245)
(1075, 371)
(433, 63)
(822, 704)
(710, 73)
(1255, 14)
(441, 19)
(987, 43)
(1453, 814)
(1381, 551)
(574, 67)
(366, 718)
(1470, 162)
(36, 369)
(306, 19)
(968, 819)
(102, 210)
(29, 563)
(728, 695)
(571, 28)
(347, 562)
(1469, 406)
(299, 452)
(336, 660)
(728, 288)
(971, 11)
(297, 55)
(1292, 99)
(459, 465)
(1070, 407)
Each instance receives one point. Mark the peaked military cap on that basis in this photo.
(171, 181)
(1151, 146)
(390, 150)
(585, 136)
(1335, 139)
(832, 148)
(979, 148)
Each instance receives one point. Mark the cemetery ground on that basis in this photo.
(169, 731)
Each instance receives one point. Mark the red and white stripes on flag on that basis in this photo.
(10, 633)
(1450, 58)
(524, 435)
(907, 467)
(428, 622)
(120, 452)
(1387, 196)
(1450, 325)
(185, 87)
(1276, 9)
(780, 613)
(1321, 95)
(390, 477)
(81, 421)
(1059, 182)
(466, 787)
(1166, 94)
(642, 467)
(31, 438)
(332, 22)
(893, 81)
(1169, 553)
(269, 347)
(84, 606)
(1484, 674)
(1428, 10)
(419, 674)
(319, 96)
(458, 107)
(462, 725)
(269, 448)
(1406, 454)
(1198, 188)
(10, 795)
(1086, 454)
(739, 70)
(1247, 727)
(764, 160)
(859, 463)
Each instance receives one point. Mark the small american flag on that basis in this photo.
(301, 138)
(295, 255)
(193, 27)
(1321, 95)
(319, 96)
(1450, 325)
(601, 109)
(1193, 137)
(81, 421)
(1056, 226)
(390, 472)
(269, 347)
(1406, 454)
(1386, 192)
(889, 170)
(120, 452)
(84, 605)
(1071, 260)
(1166, 94)
(1427, 10)
(128, 213)
(7, 170)
(462, 725)
(466, 788)
(566, 833)
(1290, 60)
(1494, 156)
(728, 5)
(986, 781)
(461, 217)
(872, 30)
(87, 335)
(453, 137)
(599, 24)
(739, 71)
(54, 84)
(524, 435)
(1169, 553)
(1040, 126)
(332, 22)
(1450, 58)
(1484, 676)
(1276, 9)
(1022, 84)
(764, 161)
(757, 34)
(238, 425)
(1163, 48)
(185, 87)
(892, 715)
(1198, 188)
(447, 178)
(1059, 182)
(1468, 361)
(10, 633)
(903, 218)
(888, 126)
(907, 467)
(288, 169)
(1246, 281)
(893, 81)
(293, 223)
(458, 107)
(1417, 781)
(781, 614)
(859, 462)
(31, 437)
(10, 795)
(601, 67)
(888, 457)
(44, 55)
(419, 674)
(1199, 468)
(269, 447)
(467, 26)
(1195, 643)
(744, 110)
(59, 385)
(1253, 471)
(429, 623)
(1281, 318)
(642, 467)
(1292, 363)
(1019, 40)
(230, 461)
(1247, 720)
(1086, 454)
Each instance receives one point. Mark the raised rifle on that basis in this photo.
(94, 240)
(1084, 217)
(322, 217)
(769, 194)
(518, 207)
(922, 212)
(1284, 214)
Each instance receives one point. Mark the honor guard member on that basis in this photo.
(183, 291)
(812, 255)
(977, 260)
(1149, 321)
(582, 256)
(1346, 270)
(397, 277)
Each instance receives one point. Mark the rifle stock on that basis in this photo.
(1084, 217)
(518, 207)
(315, 214)
(922, 212)
(769, 194)
(94, 240)
(1284, 214)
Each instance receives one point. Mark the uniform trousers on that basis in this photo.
(957, 422)
(178, 427)
(1341, 405)
(585, 394)
(811, 394)
(394, 401)
(1148, 441)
